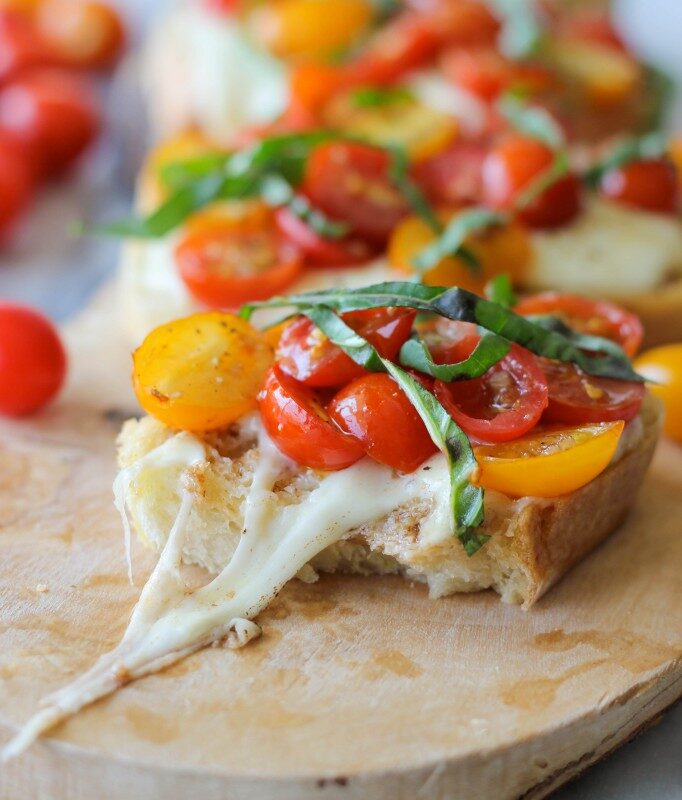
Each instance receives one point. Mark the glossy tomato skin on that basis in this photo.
(317, 250)
(575, 397)
(16, 182)
(594, 317)
(307, 355)
(300, 428)
(32, 360)
(454, 176)
(503, 404)
(651, 185)
(350, 183)
(230, 262)
(512, 166)
(53, 113)
(376, 411)
(663, 366)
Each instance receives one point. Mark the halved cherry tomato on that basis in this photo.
(306, 354)
(663, 365)
(53, 113)
(317, 250)
(454, 176)
(16, 182)
(300, 427)
(399, 120)
(503, 248)
(595, 317)
(236, 259)
(85, 34)
(503, 404)
(512, 166)
(310, 29)
(651, 184)
(575, 397)
(465, 22)
(548, 462)
(483, 71)
(22, 46)
(201, 372)
(32, 360)
(376, 411)
(350, 182)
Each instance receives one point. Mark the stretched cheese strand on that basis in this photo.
(168, 623)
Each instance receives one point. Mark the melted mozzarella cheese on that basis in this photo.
(609, 250)
(170, 622)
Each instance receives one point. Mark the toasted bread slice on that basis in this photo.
(533, 541)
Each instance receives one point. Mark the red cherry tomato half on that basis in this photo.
(504, 403)
(454, 176)
(306, 354)
(16, 182)
(483, 72)
(236, 260)
(575, 397)
(53, 113)
(512, 166)
(651, 184)
(376, 411)
(32, 360)
(594, 317)
(465, 22)
(22, 46)
(300, 427)
(350, 183)
(317, 250)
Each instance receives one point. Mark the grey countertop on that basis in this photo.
(49, 267)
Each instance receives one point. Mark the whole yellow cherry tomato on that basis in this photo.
(500, 249)
(550, 462)
(310, 29)
(392, 117)
(201, 372)
(664, 366)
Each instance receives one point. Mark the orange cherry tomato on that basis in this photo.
(310, 29)
(595, 317)
(32, 360)
(202, 372)
(89, 35)
(651, 184)
(663, 366)
(23, 7)
(512, 166)
(298, 424)
(16, 182)
(376, 411)
(350, 182)
(306, 354)
(575, 397)
(548, 462)
(226, 261)
(53, 113)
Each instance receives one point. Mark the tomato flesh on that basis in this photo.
(236, 260)
(350, 183)
(651, 185)
(501, 405)
(593, 317)
(16, 182)
(453, 176)
(32, 360)
(306, 354)
(300, 428)
(376, 411)
(575, 397)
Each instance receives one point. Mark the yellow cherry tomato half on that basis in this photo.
(664, 366)
(310, 29)
(549, 462)
(201, 372)
(391, 117)
(500, 249)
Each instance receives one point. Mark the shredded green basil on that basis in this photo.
(532, 121)
(489, 350)
(376, 96)
(500, 290)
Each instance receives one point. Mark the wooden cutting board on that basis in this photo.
(359, 688)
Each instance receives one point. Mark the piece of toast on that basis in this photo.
(533, 541)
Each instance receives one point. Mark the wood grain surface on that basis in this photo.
(359, 688)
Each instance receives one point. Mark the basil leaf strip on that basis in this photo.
(490, 349)
(634, 149)
(398, 172)
(466, 500)
(458, 304)
(451, 241)
(500, 290)
(532, 121)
